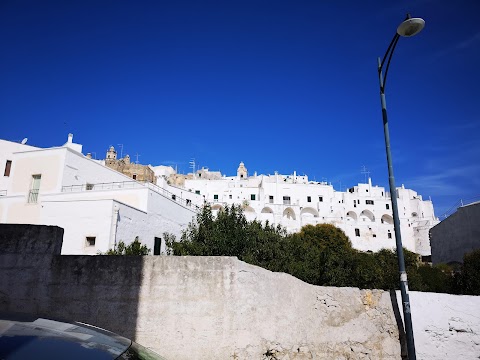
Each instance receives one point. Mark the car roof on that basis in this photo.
(32, 337)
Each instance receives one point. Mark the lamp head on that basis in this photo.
(411, 27)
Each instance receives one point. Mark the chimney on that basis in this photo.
(70, 138)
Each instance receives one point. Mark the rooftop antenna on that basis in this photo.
(137, 157)
(192, 165)
(94, 155)
(24, 141)
(366, 172)
(121, 151)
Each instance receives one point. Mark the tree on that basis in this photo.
(228, 234)
(470, 277)
(319, 254)
(437, 278)
(135, 248)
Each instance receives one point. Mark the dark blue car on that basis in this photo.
(25, 337)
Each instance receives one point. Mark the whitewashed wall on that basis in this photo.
(347, 210)
(79, 170)
(80, 219)
(7, 150)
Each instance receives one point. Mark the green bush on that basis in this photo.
(470, 276)
(320, 254)
(135, 248)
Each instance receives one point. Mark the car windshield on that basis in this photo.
(139, 352)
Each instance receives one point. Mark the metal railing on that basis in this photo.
(126, 185)
(33, 196)
(103, 186)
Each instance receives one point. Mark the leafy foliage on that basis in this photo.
(470, 278)
(229, 234)
(135, 248)
(319, 254)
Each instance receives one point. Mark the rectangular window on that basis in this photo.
(286, 200)
(8, 166)
(387, 206)
(252, 196)
(90, 240)
(229, 196)
(309, 199)
(33, 194)
(389, 235)
(270, 199)
(357, 232)
(189, 202)
(197, 192)
(89, 186)
(134, 176)
(320, 198)
(369, 202)
(174, 197)
(215, 197)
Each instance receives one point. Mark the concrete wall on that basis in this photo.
(222, 308)
(456, 235)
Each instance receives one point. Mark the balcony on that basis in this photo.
(33, 196)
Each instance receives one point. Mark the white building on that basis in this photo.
(96, 206)
(364, 212)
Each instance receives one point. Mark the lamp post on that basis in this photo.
(409, 27)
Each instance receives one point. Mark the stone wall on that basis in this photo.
(220, 307)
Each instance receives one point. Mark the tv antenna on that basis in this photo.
(192, 165)
(121, 150)
(137, 155)
(365, 172)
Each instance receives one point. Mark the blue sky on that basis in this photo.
(280, 85)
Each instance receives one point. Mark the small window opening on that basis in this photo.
(90, 240)
(8, 166)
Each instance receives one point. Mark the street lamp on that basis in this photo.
(409, 27)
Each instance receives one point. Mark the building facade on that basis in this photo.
(457, 235)
(95, 205)
(364, 212)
